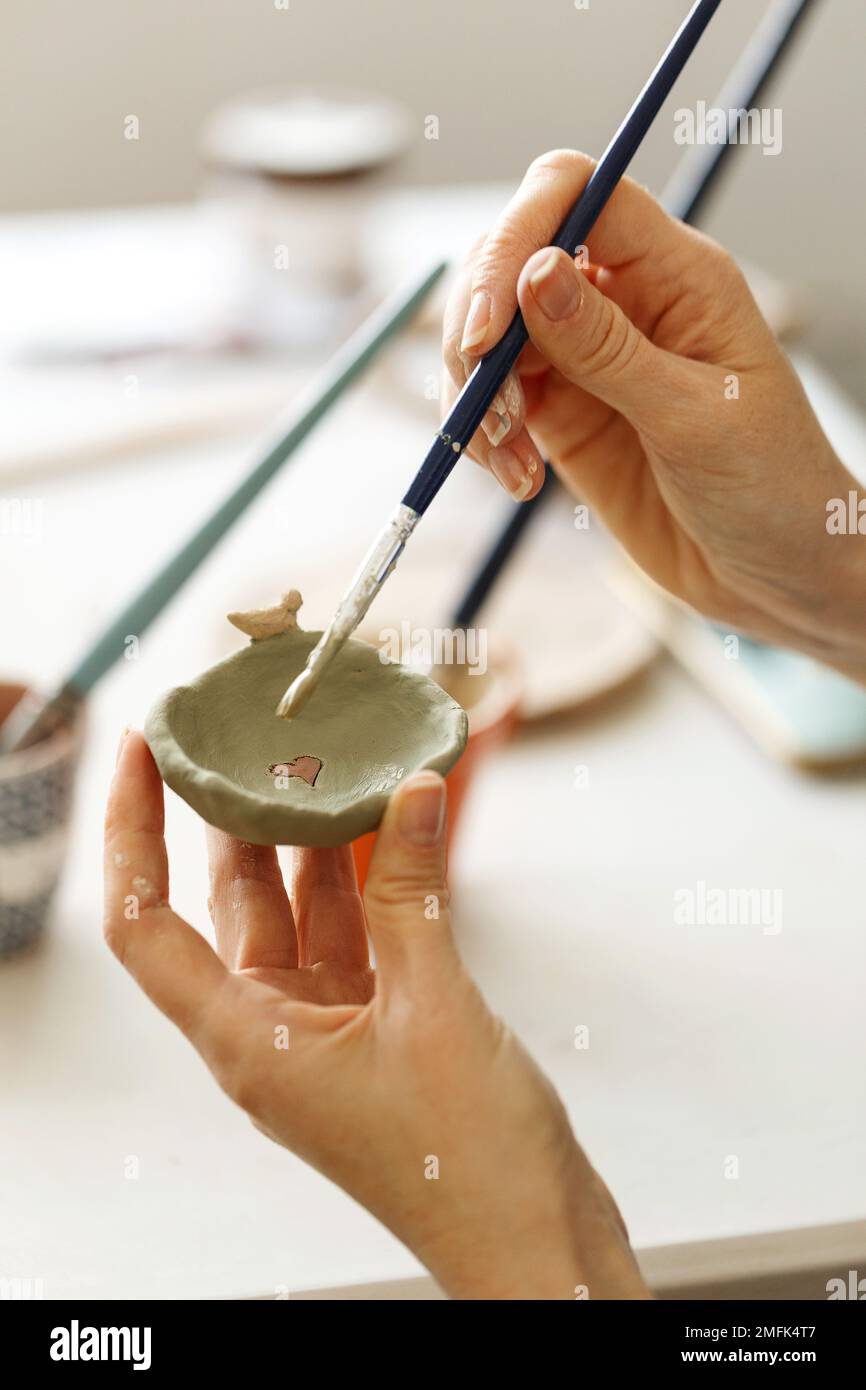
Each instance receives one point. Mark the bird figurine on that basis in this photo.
(270, 622)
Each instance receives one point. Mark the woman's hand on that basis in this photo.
(403, 1087)
(663, 400)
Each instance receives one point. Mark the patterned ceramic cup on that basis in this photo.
(35, 800)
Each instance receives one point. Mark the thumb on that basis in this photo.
(588, 338)
(405, 897)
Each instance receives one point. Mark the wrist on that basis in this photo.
(560, 1239)
(828, 614)
(805, 586)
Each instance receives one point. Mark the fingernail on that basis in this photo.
(477, 321)
(123, 738)
(514, 475)
(556, 286)
(422, 811)
(508, 400)
(496, 432)
(512, 393)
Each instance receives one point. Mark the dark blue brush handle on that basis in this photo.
(474, 400)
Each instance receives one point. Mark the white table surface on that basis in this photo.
(705, 1043)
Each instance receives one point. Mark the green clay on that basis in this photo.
(219, 744)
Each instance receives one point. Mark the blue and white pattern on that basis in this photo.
(34, 812)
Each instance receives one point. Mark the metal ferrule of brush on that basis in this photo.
(371, 575)
(373, 571)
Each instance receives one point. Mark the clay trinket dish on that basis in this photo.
(322, 778)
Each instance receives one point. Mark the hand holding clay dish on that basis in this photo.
(325, 777)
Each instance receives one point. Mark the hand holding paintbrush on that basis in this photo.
(485, 382)
(694, 180)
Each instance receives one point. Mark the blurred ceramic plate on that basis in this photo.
(796, 710)
(576, 638)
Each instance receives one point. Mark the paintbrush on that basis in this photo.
(685, 196)
(33, 717)
(477, 395)
(695, 176)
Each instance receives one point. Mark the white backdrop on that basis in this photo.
(507, 79)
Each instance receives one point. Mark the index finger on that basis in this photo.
(632, 227)
(171, 962)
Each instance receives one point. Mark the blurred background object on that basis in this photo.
(300, 169)
(36, 787)
(69, 85)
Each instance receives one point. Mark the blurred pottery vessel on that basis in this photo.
(36, 788)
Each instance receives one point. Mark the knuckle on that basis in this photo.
(383, 896)
(725, 264)
(735, 287)
(525, 224)
(402, 893)
(250, 872)
(615, 345)
(554, 163)
(510, 243)
(528, 222)
(714, 261)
